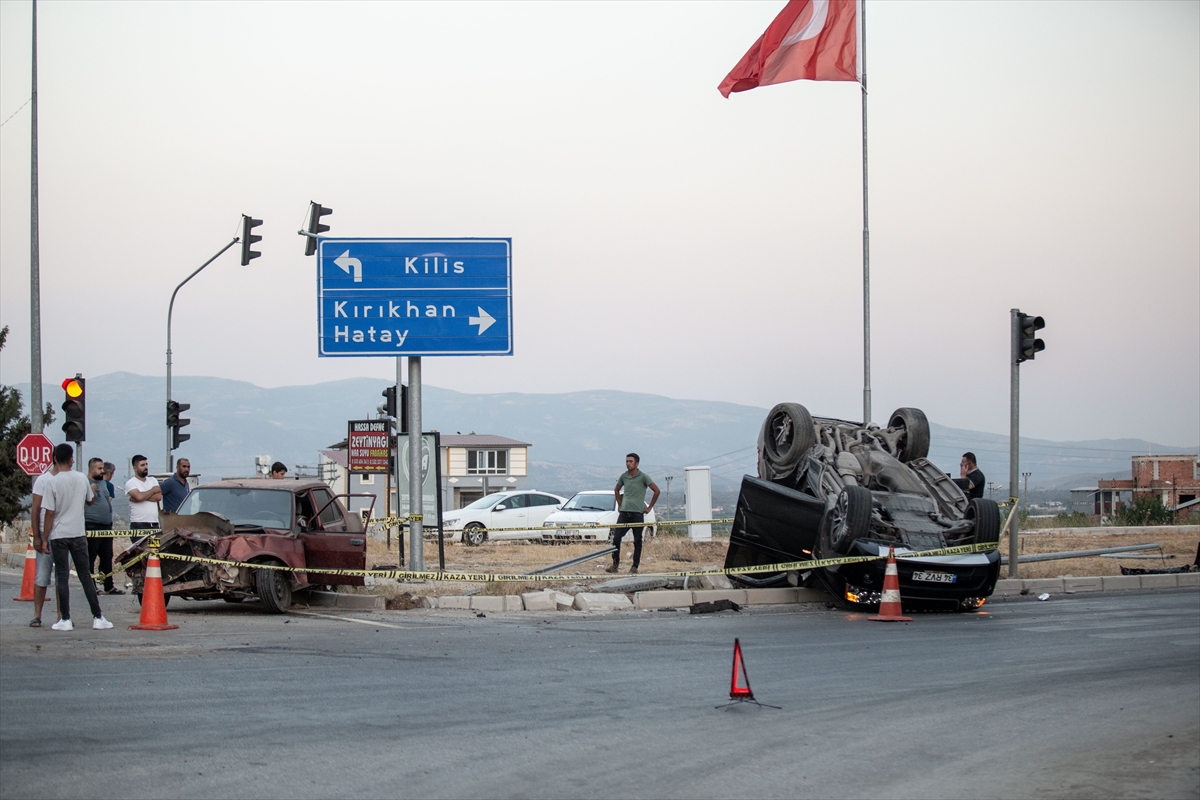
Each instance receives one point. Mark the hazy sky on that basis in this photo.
(1036, 155)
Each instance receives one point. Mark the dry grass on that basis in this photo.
(667, 553)
(1182, 545)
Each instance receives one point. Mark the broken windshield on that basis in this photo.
(263, 507)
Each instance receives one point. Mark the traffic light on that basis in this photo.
(315, 212)
(1028, 345)
(388, 407)
(74, 409)
(175, 422)
(248, 238)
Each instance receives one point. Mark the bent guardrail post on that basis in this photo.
(570, 562)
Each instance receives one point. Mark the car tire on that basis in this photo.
(474, 534)
(786, 435)
(915, 443)
(849, 519)
(274, 590)
(987, 520)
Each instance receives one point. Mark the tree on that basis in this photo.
(1147, 509)
(15, 485)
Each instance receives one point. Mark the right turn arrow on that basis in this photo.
(484, 321)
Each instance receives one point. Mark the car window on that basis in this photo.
(543, 500)
(265, 507)
(515, 501)
(304, 509)
(487, 501)
(591, 501)
(330, 515)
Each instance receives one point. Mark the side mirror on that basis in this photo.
(302, 523)
(500, 507)
(558, 507)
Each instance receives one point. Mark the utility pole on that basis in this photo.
(1024, 346)
(36, 404)
(669, 479)
(416, 496)
(170, 311)
(1025, 501)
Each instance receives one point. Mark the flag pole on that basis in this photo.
(866, 245)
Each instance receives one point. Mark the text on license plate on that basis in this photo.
(935, 577)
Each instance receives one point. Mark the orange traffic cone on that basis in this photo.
(739, 690)
(890, 609)
(154, 608)
(28, 576)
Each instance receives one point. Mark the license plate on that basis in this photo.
(935, 577)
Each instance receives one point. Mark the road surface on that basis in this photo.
(1085, 695)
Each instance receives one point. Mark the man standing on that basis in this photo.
(970, 477)
(98, 517)
(632, 509)
(175, 488)
(41, 544)
(144, 494)
(109, 469)
(66, 496)
(278, 471)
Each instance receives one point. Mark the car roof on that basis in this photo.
(269, 484)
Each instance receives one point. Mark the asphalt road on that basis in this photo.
(1081, 696)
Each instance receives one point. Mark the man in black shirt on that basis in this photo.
(971, 480)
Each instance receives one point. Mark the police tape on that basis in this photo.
(488, 577)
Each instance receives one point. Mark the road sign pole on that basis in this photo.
(416, 494)
(1014, 439)
(36, 404)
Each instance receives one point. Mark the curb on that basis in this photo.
(1099, 583)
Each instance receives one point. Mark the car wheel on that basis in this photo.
(987, 520)
(274, 590)
(849, 519)
(787, 434)
(474, 534)
(915, 443)
(166, 600)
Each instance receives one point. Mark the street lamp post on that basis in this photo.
(170, 311)
(669, 479)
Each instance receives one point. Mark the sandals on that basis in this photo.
(114, 591)
(36, 622)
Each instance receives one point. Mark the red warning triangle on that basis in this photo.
(742, 691)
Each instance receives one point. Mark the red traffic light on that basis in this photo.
(73, 387)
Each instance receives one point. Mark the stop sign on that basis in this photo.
(35, 453)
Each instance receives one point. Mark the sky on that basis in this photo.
(1041, 156)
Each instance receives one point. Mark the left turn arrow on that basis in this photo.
(346, 263)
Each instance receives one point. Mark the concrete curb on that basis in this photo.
(349, 602)
(1104, 583)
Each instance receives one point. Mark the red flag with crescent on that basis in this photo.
(810, 40)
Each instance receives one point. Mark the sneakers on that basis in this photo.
(633, 570)
(63, 625)
(101, 624)
(611, 569)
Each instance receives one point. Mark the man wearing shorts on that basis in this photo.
(632, 508)
(41, 544)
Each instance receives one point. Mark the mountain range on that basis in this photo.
(579, 439)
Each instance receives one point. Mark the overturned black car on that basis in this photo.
(828, 488)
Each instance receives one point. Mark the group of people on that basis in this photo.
(67, 504)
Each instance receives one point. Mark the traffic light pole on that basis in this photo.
(1014, 438)
(416, 495)
(170, 312)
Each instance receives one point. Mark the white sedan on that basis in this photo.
(596, 508)
(475, 523)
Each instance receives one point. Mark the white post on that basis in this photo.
(697, 488)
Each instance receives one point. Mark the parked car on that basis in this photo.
(473, 524)
(597, 507)
(829, 488)
(290, 523)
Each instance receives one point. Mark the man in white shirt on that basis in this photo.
(41, 545)
(66, 495)
(144, 496)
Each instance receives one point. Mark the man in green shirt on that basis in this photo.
(632, 508)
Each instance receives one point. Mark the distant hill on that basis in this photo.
(579, 439)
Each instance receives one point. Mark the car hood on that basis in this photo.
(581, 517)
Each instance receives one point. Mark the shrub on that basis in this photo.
(1148, 509)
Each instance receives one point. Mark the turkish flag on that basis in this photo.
(810, 40)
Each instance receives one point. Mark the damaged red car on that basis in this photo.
(297, 524)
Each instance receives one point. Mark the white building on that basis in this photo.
(472, 465)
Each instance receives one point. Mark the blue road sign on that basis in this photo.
(414, 297)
